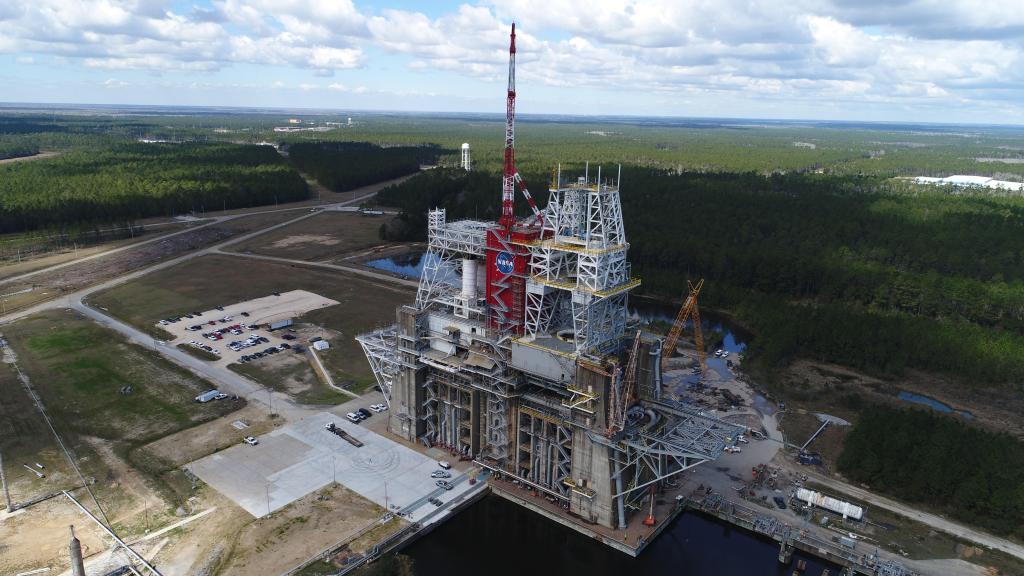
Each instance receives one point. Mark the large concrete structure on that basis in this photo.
(517, 353)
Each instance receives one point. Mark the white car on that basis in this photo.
(378, 407)
(445, 464)
(440, 474)
(251, 440)
(352, 417)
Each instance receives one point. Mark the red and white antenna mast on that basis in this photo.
(510, 176)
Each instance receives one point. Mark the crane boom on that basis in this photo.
(624, 391)
(510, 176)
(508, 184)
(689, 310)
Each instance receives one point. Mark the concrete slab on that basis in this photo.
(260, 311)
(302, 457)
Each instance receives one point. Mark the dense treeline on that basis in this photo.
(462, 194)
(81, 188)
(843, 269)
(343, 166)
(690, 145)
(969, 473)
(17, 150)
(883, 344)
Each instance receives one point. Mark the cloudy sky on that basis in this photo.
(892, 60)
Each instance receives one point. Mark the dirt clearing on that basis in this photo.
(322, 238)
(288, 537)
(38, 537)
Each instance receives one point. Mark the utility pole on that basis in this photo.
(268, 499)
(3, 480)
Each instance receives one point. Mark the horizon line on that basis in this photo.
(499, 116)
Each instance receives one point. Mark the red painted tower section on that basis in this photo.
(507, 258)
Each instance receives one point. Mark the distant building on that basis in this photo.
(966, 181)
(465, 156)
(294, 121)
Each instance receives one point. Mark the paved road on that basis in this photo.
(938, 522)
(225, 380)
(337, 267)
(233, 383)
(132, 246)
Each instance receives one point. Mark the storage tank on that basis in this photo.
(469, 279)
(465, 156)
(818, 499)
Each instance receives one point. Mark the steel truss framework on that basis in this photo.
(679, 440)
(545, 450)
(579, 275)
(380, 348)
(447, 244)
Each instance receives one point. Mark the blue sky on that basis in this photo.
(899, 60)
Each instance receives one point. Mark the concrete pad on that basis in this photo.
(302, 457)
(261, 311)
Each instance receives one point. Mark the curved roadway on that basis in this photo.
(233, 383)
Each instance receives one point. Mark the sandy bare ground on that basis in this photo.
(40, 156)
(994, 407)
(37, 537)
(286, 538)
(302, 239)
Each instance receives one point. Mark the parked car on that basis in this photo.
(251, 440)
(440, 474)
(220, 396)
(444, 484)
(366, 413)
(780, 502)
(352, 417)
(445, 464)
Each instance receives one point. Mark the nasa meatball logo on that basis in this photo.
(504, 263)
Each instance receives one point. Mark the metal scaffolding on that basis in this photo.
(666, 441)
(579, 276)
(380, 348)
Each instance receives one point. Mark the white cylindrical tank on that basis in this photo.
(481, 277)
(818, 499)
(466, 163)
(469, 278)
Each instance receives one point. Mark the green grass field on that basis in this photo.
(215, 280)
(79, 369)
(25, 439)
(310, 391)
(321, 238)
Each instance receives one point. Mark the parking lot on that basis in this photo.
(215, 330)
(304, 456)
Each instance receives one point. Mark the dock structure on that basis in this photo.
(518, 354)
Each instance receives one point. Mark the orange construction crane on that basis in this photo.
(624, 391)
(689, 311)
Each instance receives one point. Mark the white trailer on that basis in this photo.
(207, 396)
(831, 504)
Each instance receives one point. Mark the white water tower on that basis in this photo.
(465, 156)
